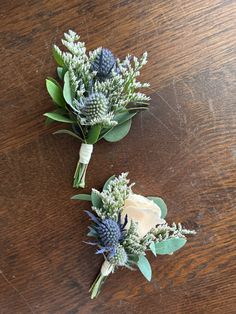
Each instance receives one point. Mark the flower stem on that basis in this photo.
(82, 165)
(79, 176)
(97, 285)
(106, 269)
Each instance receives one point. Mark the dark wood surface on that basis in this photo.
(183, 149)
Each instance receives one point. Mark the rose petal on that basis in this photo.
(143, 211)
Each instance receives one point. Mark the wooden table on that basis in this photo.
(183, 149)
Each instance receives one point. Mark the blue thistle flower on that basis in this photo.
(94, 106)
(108, 232)
(104, 63)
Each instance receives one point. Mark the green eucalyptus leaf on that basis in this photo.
(48, 121)
(145, 267)
(61, 72)
(64, 131)
(54, 81)
(120, 118)
(93, 134)
(82, 197)
(169, 246)
(159, 201)
(57, 117)
(108, 182)
(57, 57)
(124, 116)
(61, 111)
(96, 200)
(133, 258)
(153, 248)
(118, 132)
(67, 89)
(138, 108)
(104, 132)
(55, 91)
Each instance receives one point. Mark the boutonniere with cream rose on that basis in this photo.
(125, 226)
(97, 95)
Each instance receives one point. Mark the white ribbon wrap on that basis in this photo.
(85, 153)
(106, 268)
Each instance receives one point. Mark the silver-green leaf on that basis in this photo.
(64, 131)
(67, 89)
(145, 267)
(93, 134)
(124, 116)
(57, 117)
(169, 246)
(82, 197)
(159, 201)
(55, 91)
(108, 182)
(153, 248)
(96, 200)
(61, 72)
(118, 132)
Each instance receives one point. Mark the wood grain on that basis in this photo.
(182, 149)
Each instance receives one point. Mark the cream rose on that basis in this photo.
(143, 211)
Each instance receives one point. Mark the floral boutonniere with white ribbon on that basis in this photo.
(98, 95)
(126, 226)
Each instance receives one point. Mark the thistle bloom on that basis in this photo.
(98, 96)
(109, 233)
(104, 63)
(126, 226)
(93, 108)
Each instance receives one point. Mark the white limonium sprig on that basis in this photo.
(113, 197)
(106, 120)
(126, 226)
(132, 242)
(94, 54)
(97, 94)
(164, 232)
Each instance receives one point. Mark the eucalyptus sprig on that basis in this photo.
(126, 226)
(97, 95)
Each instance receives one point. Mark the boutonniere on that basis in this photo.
(97, 95)
(125, 226)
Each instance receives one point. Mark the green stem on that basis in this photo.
(79, 176)
(80, 171)
(106, 269)
(97, 285)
